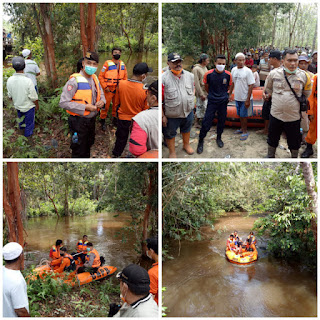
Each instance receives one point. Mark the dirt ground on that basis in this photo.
(254, 147)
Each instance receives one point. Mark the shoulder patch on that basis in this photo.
(103, 69)
(70, 87)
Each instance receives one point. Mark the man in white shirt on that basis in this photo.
(31, 70)
(15, 298)
(242, 83)
(24, 96)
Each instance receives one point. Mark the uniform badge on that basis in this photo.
(103, 69)
(70, 87)
(224, 81)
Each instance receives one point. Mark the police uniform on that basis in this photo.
(75, 95)
(285, 109)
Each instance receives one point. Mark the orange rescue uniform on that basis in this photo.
(54, 253)
(131, 100)
(154, 276)
(65, 263)
(82, 246)
(311, 137)
(109, 77)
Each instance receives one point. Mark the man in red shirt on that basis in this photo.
(249, 61)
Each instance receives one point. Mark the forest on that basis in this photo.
(114, 203)
(227, 28)
(283, 196)
(59, 34)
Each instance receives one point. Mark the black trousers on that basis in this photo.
(122, 134)
(85, 128)
(291, 129)
(207, 122)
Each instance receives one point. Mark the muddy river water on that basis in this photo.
(103, 230)
(202, 283)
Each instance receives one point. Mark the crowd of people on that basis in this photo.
(138, 287)
(243, 248)
(288, 80)
(85, 96)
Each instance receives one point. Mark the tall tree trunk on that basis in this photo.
(294, 24)
(91, 25)
(310, 184)
(275, 16)
(66, 203)
(50, 198)
(84, 39)
(315, 36)
(10, 216)
(151, 189)
(124, 30)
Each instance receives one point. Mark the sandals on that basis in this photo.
(244, 136)
(239, 131)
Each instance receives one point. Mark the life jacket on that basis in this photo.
(82, 247)
(72, 265)
(83, 94)
(55, 252)
(96, 261)
(113, 75)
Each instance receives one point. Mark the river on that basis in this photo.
(102, 230)
(202, 283)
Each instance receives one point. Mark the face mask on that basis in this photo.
(90, 70)
(220, 67)
(116, 56)
(176, 73)
(88, 249)
(291, 72)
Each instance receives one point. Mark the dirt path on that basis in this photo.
(254, 147)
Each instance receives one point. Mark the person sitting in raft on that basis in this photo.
(82, 248)
(252, 238)
(236, 237)
(230, 243)
(67, 262)
(93, 262)
(238, 248)
(55, 251)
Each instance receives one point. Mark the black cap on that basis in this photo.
(153, 87)
(174, 57)
(136, 277)
(275, 54)
(141, 68)
(18, 63)
(63, 249)
(92, 56)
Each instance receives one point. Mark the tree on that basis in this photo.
(88, 27)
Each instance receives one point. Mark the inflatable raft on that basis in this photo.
(247, 257)
(72, 278)
(256, 120)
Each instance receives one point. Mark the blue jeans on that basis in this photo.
(28, 122)
(185, 124)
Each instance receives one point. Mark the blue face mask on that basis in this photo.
(90, 70)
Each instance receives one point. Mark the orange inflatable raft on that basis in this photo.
(72, 278)
(256, 120)
(245, 258)
(151, 154)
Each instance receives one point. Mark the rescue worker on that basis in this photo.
(83, 97)
(82, 248)
(144, 134)
(230, 242)
(252, 238)
(311, 137)
(135, 292)
(67, 262)
(152, 253)
(131, 99)
(110, 75)
(32, 71)
(93, 262)
(55, 251)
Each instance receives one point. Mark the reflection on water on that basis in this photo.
(103, 231)
(201, 282)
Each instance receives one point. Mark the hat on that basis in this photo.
(92, 56)
(11, 251)
(141, 68)
(304, 58)
(174, 57)
(18, 63)
(153, 87)
(136, 277)
(26, 52)
(275, 54)
(314, 53)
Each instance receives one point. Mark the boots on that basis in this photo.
(103, 124)
(186, 145)
(308, 152)
(294, 153)
(271, 152)
(200, 146)
(219, 142)
(171, 147)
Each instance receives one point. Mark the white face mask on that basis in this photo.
(220, 67)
